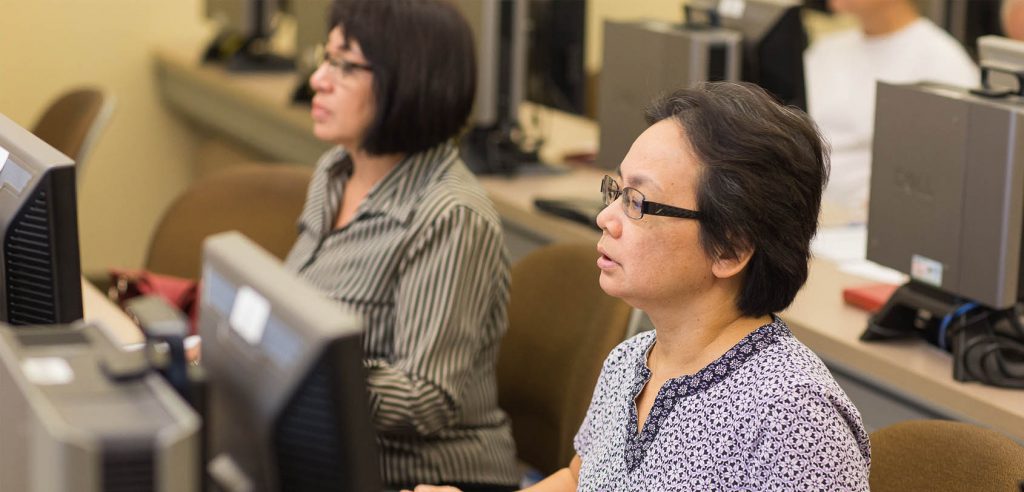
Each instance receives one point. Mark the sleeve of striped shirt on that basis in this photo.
(450, 309)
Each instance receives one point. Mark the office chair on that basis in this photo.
(944, 455)
(561, 328)
(73, 122)
(261, 201)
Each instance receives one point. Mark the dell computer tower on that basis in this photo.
(947, 190)
(646, 59)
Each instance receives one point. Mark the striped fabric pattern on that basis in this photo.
(424, 263)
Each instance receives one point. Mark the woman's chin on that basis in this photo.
(609, 285)
(324, 133)
(319, 132)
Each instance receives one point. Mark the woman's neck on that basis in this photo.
(369, 169)
(689, 337)
(889, 19)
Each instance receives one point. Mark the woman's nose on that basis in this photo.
(610, 219)
(318, 80)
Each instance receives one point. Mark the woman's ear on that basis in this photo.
(727, 267)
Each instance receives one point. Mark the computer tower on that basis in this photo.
(77, 413)
(947, 190)
(646, 59)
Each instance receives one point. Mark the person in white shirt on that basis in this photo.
(894, 44)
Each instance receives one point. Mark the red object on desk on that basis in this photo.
(869, 297)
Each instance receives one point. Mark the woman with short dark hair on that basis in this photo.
(707, 230)
(398, 230)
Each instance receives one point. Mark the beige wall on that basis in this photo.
(599, 11)
(143, 158)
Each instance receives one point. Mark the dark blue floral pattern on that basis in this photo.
(767, 415)
(684, 386)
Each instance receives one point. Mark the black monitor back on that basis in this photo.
(774, 41)
(39, 257)
(288, 401)
(555, 73)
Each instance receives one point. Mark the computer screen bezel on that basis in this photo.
(31, 169)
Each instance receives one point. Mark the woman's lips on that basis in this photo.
(604, 262)
(318, 112)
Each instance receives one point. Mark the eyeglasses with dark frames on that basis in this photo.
(340, 68)
(636, 205)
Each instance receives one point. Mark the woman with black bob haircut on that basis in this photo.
(708, 230)
(396, 229)
(423, 66)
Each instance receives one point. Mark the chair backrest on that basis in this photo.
(73, 122)
(261, 201)
(944, 455)
(561, 328)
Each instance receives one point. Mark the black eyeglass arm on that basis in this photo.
(654, 208)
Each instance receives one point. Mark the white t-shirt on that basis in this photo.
(841, 72)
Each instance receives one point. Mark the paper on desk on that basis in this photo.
(846, 246)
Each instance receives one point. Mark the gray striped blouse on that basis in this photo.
(424, 263)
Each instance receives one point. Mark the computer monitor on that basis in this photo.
(78, 413)
(494, 143)
(947, 194)
(40, 270)
(287, 390)
(555, 72)
(774, 41)
(499, 32)
(947, 208)
(242, 42)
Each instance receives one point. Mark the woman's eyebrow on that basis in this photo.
(641, 180)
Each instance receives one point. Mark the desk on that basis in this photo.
(913, 372)
(253, 109)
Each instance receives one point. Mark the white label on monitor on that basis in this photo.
(4, 154)
(732, 9)
(249, 315)
(46, 371)
(927, 270)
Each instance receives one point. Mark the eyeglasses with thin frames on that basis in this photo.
(635, 205)
(339, 69)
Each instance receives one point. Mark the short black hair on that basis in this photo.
(424, 69)
(763, 167)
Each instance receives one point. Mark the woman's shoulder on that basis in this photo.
(789, 367)
(456, 190)
(629, 352)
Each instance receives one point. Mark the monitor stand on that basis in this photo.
(954, 324)
(238, 53)
(494, 151)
